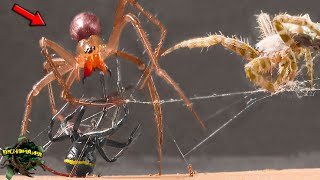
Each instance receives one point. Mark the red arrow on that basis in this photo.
(35, 20)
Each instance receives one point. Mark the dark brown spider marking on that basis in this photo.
(84, 25)
(306, 41)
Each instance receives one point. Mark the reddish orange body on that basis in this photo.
(91, 63)
(89, 57)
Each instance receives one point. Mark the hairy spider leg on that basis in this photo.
(241, 48)
(293, 66)
(119, 23)
(58, 62)
(309, 64)
(255, 70)
(35, 91)
(163, 33)
(279, 20)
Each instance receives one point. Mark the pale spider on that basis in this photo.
(283, 40)
(91, 54)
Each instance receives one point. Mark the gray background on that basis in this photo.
(280, 132)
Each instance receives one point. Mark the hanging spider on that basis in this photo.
(91, 54)
(80, 159)
(285, 39)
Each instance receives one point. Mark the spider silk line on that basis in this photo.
(212, 96)
(226, 123)
(175, 142)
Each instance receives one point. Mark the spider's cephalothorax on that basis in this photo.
(284, 40)
(86, 28)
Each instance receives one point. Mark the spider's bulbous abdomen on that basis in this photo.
(84, 25)
(80, 160)
(271, 44)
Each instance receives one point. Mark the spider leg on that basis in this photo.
(161, 73)
(62, 69)
(117, 144)
(255, 70)
(81, 111)
(155, 21)
(67, 56)
(66, 119)
(241, 48)
(162, 36)
(309, 64)
(284, 73)
(35, 91)
(279, 20)
(105, 157)
(109, 131)
(58, 62)
(155, 101)
(293, 67)
(124, 146)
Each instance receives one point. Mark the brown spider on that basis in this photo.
(283, 40)
(91, 54)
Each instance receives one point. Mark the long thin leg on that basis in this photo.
(155, 102)
(109, 131)
(67, 56)
(155, 21)
(119, 24)
(80, 111)
(162, 36)
(309, 64)
(136, 24)
(241, 48)
(116, 144)
(76, 125)
(35, 91)
(158, 117)
(126, 145)
(58, 62)
(53, 103)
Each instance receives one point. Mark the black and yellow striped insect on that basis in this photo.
(80, 159)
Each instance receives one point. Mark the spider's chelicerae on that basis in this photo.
(284, 40)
